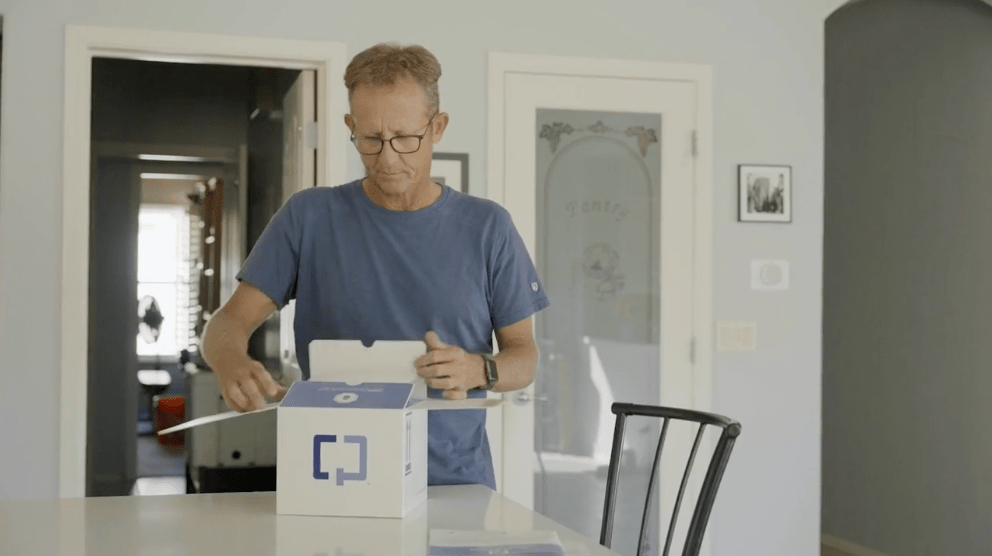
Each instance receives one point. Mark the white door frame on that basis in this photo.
(82, 44)
(701, 76)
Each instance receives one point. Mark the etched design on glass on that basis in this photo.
(608, 207)
(599, 127)
(553, 132)
(598, 193)
(645, 137)
(601, 262)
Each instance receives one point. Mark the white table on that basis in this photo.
(246, 524)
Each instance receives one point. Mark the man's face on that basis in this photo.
(389, 111)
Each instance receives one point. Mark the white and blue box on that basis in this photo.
(352, 441)
(350, 450)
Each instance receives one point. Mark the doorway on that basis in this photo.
(906, 279)
(131, 157)
(169, 233)
(174, 219)
(147, 260)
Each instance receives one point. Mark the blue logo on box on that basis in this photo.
(342, 475)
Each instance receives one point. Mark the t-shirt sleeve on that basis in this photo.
(517, 291)
(274, 261)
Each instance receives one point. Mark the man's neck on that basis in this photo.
(420, 196)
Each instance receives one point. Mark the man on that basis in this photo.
(393, 256)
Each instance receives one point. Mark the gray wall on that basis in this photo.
(767, 57)
(113, 319)
(907, 454)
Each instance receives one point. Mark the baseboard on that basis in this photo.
(849, 547)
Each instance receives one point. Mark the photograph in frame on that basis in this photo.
(764, 193)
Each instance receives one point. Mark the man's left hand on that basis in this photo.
(449, 368)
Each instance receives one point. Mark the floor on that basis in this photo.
(575, 499)
(830, 551)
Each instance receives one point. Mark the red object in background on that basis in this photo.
(170, 412)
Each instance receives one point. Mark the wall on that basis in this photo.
(906, 449)
(768, 61)
(1, 45)
(112, 360)
(170, 104)
(167, 191)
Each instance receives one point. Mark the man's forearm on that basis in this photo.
(223, 345)
(517, 366)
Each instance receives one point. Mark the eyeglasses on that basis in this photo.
(402, 144)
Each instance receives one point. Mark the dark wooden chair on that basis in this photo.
(711, 482)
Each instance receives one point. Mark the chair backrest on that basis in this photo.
(718, 463)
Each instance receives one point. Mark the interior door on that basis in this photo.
(599, 178)
(299, 172)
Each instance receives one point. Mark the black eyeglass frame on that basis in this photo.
(382, 142)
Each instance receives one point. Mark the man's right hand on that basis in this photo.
(242, 381)
(244, 386)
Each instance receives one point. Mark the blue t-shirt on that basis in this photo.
(359, 271)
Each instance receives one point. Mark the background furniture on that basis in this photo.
(154, 382)
(714, 473)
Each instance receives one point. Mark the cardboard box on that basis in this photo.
(349, 450)
(352, 441)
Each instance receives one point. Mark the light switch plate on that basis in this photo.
(736, 336)
(769, 275)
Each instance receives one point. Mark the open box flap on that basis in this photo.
(350, 362)
(215, 418)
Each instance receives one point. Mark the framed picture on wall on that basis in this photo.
(764, 193)
(451, 169)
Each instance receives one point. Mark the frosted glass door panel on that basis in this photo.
(598, 235)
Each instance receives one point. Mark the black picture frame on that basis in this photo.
(446, 173)
(767, 185)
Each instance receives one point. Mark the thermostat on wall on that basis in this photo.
(769, 275)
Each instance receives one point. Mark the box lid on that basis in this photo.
(368, 395)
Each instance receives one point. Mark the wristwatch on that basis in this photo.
(492, 376)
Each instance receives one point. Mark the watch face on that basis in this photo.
(491, 375)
